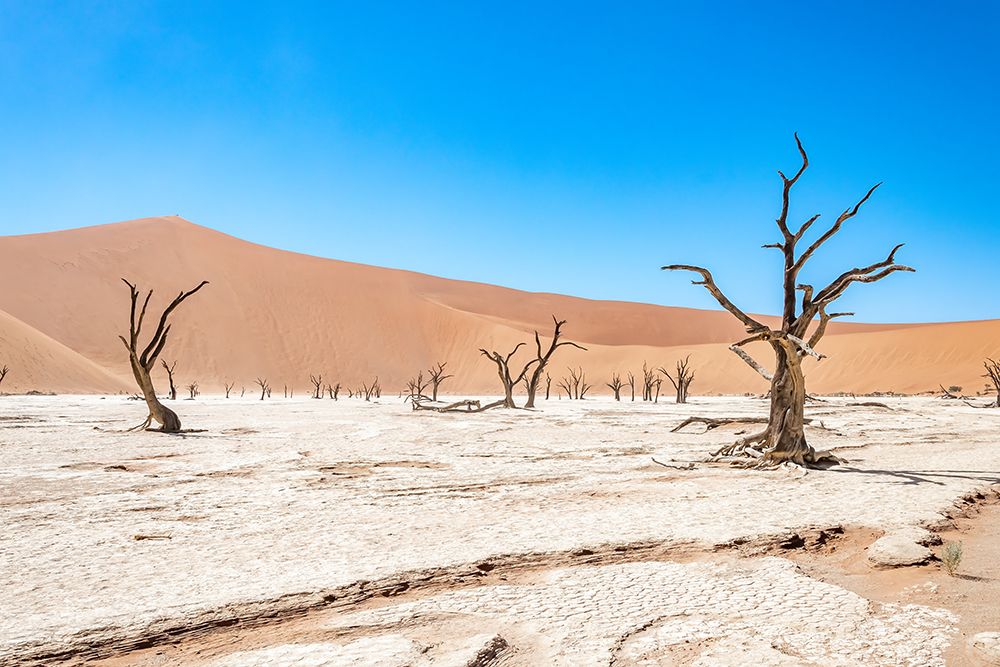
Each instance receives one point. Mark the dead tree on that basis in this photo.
(616, 385)
(317, 383)
(142, 361)
(542, 359)
(437, 376)
(548, 386)
(784, 437)
(334, 391)
(992, 374)
(229, 387)
(265, 389)
(243, 390)
(169, 368)
(3, 373)
(193, 392)
(575, 385)
(372, 389)
(508, 379)
(631, 384)
(685, 376)
(416, 387)
(648, 382)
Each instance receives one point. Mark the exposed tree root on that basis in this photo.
(711, 422)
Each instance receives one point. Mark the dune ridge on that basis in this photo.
(283, 315)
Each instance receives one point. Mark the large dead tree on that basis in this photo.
(437, 376)
(685, 376)
(142, 360)
(169, 368)
(542, 358)
(507, 378)
(784, 438)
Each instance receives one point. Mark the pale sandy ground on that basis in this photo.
(285, 504)
(284, 316)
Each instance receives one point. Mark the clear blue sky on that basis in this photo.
(566, 147)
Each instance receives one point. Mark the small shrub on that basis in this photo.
(951, 557)
(954, 389)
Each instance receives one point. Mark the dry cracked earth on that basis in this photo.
(305, 532)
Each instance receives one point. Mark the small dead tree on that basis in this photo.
(685, 376)
(648, 382)
(548, 386)
(416, 387)
(265, 389)
(437, 376)
(992, 374)
(373, 389)
(508, 379)
(142, 361)
(229, 387)
(193, 392)
(243, 390)
(317, 383)
(784, 437)
(631, 385)
(169, 368)
(3, 373)
(616, 385)
(575, 385)
(334, 391)
(542, 359)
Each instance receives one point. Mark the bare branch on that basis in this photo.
(709, 284)
(828, 234)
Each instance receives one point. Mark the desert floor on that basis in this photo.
(305, 532)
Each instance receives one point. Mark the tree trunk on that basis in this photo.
(167, 419)
(785, 438)
(532, 389)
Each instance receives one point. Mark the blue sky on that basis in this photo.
(562, 147)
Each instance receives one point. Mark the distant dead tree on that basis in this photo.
(3, 373)
(170, 377)
(317, 383)
(142, 361)
(229, 387)
(648, 382)
(193, 392)
(265, 389)
(993, 375)
(575, 385)
(616, 385)
(631, 384)
(685, 376)
(373, 389)
(548, 386)
(784, 437)
(243, 390)
(334, 391)
(507, 378)
(437, 376)
(417, 386)
(542, 358)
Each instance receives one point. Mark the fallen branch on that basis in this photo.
(711, 423)
(466, 406)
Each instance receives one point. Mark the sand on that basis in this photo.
(552, 530)
(285, 316)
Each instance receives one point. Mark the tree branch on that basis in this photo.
(841, 219)
(709, 283)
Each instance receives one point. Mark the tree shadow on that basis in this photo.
(925, 476)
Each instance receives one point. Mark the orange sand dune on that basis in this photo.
(284, 315)
(37, 362)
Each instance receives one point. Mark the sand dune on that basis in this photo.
(284, 315)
